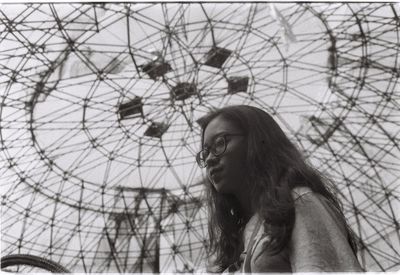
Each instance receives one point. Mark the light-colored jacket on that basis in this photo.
(319, 241)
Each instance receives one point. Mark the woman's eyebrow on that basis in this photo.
(214, 137)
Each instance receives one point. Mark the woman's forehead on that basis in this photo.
(218, 126)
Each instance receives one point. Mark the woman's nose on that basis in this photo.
(211, 160)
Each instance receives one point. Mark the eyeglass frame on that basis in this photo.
(223, 135)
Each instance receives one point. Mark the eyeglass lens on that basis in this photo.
(217, 148)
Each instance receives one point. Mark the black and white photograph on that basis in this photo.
(200, 137)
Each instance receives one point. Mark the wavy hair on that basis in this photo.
(274, 166)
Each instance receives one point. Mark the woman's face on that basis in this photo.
(227, 171)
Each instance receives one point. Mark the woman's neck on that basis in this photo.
(245, 205)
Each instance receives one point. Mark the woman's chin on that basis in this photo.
(219, 185)
(219, 182)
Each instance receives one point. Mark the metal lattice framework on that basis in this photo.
(98, 130)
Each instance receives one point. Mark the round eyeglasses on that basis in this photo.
(217, 149)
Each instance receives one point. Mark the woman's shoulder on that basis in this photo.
(319, 239)
(303, 196)
(301, 191)
(313, 208)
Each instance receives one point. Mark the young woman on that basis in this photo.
(269, 210)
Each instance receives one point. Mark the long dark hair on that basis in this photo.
(274, 166)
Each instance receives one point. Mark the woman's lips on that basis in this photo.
(216, 174)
